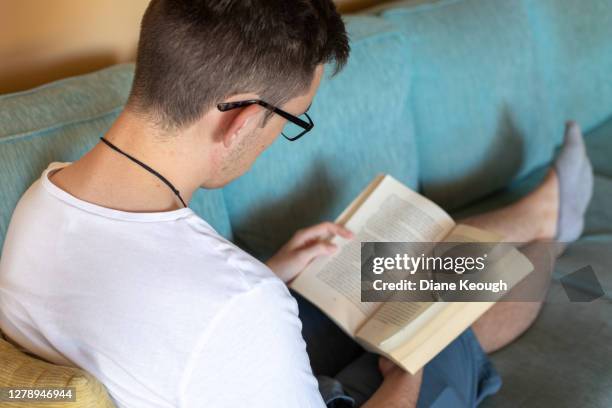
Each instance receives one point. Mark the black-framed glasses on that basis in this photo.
(296, 127)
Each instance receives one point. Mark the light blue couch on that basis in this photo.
(465, 100)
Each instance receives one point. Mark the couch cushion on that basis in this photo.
(60, 122)
(19, 370)
(562, 361)
(362, 127)
(494, 82)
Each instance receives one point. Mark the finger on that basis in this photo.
(384, 365)
(344, 232)
(318, 248)
(321, 231)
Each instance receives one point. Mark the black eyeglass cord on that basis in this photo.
(149, 169)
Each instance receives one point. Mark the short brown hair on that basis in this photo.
(194, 53)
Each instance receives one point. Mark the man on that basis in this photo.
(105, 267)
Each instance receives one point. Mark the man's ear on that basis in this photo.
(242, 122)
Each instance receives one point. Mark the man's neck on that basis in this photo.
(107, 178)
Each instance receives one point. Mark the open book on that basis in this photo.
(408, 333)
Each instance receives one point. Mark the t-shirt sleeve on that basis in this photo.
(252, 354)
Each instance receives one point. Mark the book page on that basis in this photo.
(413, 333)
(445, 325)
(393, 318)
(391, 212)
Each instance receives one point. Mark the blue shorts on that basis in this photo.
(461, 375)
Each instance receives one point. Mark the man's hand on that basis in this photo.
(399, 388)
(305, 245)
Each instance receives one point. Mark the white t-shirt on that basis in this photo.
(158, 306)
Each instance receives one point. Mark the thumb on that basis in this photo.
(385, 365)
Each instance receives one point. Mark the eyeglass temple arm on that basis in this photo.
(225, 106)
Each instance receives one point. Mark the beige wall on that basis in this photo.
(44, 40)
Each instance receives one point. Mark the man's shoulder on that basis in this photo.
(224, 256)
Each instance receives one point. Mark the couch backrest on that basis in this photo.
(495, 80)
(483, 87)
(60, 122)
(461, 96)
